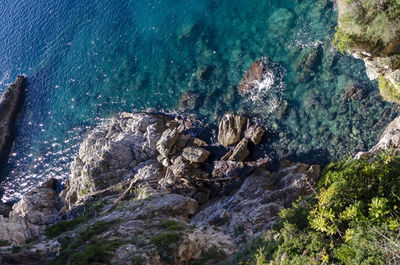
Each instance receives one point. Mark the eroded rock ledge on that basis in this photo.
(165, 195)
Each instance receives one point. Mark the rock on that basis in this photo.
(251, 77)
(167, 141)
(224, 169)
(240, 153)
(230, 129)
(204, 72)
(226, 156)
(39, 206)
(31, 214)
(255, 206)
(195, 154)
(110, 151)
(5, 209)
(310, 60)
(197, 142)
(255, 134)
(11, 102)
(389, 141)
(189, 101)
(355, 92)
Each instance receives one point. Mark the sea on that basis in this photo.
(86, 61)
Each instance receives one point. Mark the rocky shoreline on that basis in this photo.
(145, 170)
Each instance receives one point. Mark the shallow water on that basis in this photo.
(88, 61)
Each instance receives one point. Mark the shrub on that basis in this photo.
(63, 226)
(369, 21)
(4, 242)
(353, 219)
(172, 225)
(165, 240)
(388, 90)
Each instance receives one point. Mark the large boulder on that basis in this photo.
(230, 129)
(31, 214)
(11, 102)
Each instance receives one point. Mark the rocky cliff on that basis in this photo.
(145, 190)
(369, 30)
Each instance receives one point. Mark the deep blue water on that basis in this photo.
(87, 60)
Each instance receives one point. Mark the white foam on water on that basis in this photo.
(4, 77)
(268, 90)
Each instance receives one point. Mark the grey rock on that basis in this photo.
(255, 206)
(167, 141)
(195, 154)
(31, 214)
(389, 140)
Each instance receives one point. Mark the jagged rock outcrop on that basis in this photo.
(115, 151)
(31, 214)
(143, 181)
(255, 206)
(11, 102)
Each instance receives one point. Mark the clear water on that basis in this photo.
(86, 61)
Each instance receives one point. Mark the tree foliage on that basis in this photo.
(352, 219)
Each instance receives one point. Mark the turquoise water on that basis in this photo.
(88, 61)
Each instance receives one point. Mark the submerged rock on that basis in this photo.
(189, 101)
(11, 102)
(355, 92)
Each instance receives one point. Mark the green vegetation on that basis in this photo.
(136, 260)
(172, 225)
(369, 24)
(165, 244)
(87, 248)
(4, 242)
(343, 41)
(165, 240)
(388, 90)
(212, 256)
(63, 226)
(353, 219)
